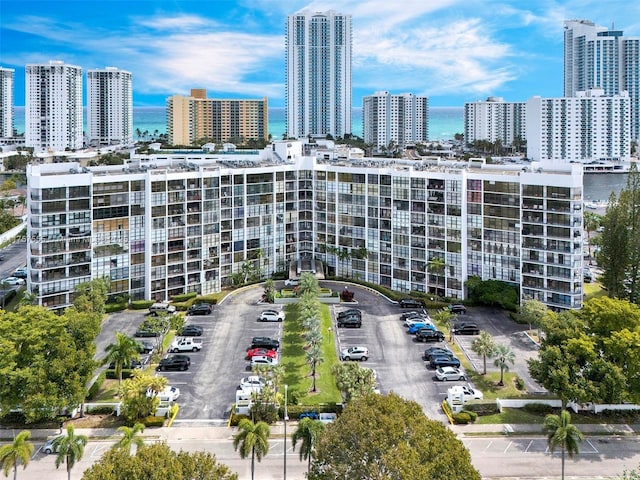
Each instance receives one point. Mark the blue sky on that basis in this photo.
(453, 51)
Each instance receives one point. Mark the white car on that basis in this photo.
(355, 353)
(13, 281)
(410, 321)
(272, 316)
(169, 394)
(291, 282)
(253, 382)
(262, 360)
(445, 374)
(471, 393)
(49, 448)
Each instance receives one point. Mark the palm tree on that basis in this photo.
(562, 433)
(308, 432)
(16, 453)
(121, 353)
(70, 448)
(252, 438)
(485, 346)
(130, 437)
(503, 355)
(28, 298)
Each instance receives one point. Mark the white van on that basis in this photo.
(162, 307)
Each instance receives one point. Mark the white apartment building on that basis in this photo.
(599, 58)
(589, 127)
(402, 119)
(495, 120)
(167, 224)
(109, 107)
(318, 74)
(53, 107)
(6, 102)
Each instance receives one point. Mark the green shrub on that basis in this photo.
(461, 418)
(473, 416)
(538, 408)
(152, 421)
(102, 410)
(183, 297)
(182, 306)
(212, 299)
(483, 407)
(141, 304)
(447, 408)
(114, 307)
(96, 386)
(235, 419)
(519, 383)
(111, 374)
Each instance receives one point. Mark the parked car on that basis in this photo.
(457, 308)
(261, 352)
(174, 362)
(185, 344)
(429, 335)
(263, 360)
(145, 347)
(49, 446)
(443, 361)
(310, 414)
(129, 366)
(465, 329)
(254, 382)
(20, 273)
(351, 321)
(191, 331)
(14, 281)
(147, 329)
(445, 374)
(200, 309)
(355, 353)
(413, 329)
(271, 316)
(169, 394)
(413, 320)
(265, 342)
(471, 393)
(292, 282)
(414, 313)
(587, 275)
(349, 312)
(410, 303)
(160, 307)
(436, 351)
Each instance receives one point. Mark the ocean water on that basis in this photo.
(444, 122)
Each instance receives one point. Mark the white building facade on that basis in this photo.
(109, 107)
(599, 58)
(53, 107)
(402, 119)
(168, 224)
(495, 120)
(6, 102)
(590, 127)
(318, 74)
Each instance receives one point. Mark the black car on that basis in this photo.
(144, 331)
(145, 347)
(410, 303)
(436, 352)
(134, 364)
(265, 342)
(457, 308)
(465, 329)
(191, 331)
(413, 313)
(351, 321)
(350, 312)
(443, 361)
(200, 309)
(429, 335)
(174, 362)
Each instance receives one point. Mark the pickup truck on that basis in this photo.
(186, 344)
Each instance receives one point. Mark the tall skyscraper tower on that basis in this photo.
(494, 119)
(109, 107)
(6, 102)
(318, 100)
(53, 106)
(598, 58)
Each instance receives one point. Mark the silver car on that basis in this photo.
(355, 353)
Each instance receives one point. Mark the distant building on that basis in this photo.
(590, 127)
(109, 107)
(599, 58)
(53, 107)
(6, 102)
(494, 119)
(402, 119)
(318, 76)
(221, 120)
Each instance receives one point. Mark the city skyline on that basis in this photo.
(450, 51)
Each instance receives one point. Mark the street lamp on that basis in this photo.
(286, 417)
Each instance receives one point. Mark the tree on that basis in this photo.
(592, 221)
(503, 356)
(308, 432)
(136, 404)
(308, 283)
(15, 453)
(158, 461)
(444, 317)
(69, 448)
(485, 346)
(130, 437)
(385, 436)
(121, 353)
(353, 380)
(313, 357)
(532, 312)
(562, 433)
(252, 439)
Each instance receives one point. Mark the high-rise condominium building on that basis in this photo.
(6, 102)
(495, 120)
(167, 224)
(318, 61)
(402, 119)
(596, 57)
(109, 107)
(53, 106)
(222, 120)
(590, 127)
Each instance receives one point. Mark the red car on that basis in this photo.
(261, 352)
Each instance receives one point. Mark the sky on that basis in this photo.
(452, 51)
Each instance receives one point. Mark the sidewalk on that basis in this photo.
(473, 429)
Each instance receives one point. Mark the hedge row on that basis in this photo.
(294, 411)
(152, 421)
(102, 410)
(141, 304)
(183, 297)
(111, 374)
(483, 407)
(97, 385)
(115, 307)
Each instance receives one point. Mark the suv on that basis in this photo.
(174, 362)
(457, 308)
(350, 321)
(348, 313)
(271, 316)
(436, 352)
(200, 309)
(413, 313)
(443, 361)
(355, 353)
(265, 342)
(410, 303)
(20, 273)
(429, 335)
(465, 329)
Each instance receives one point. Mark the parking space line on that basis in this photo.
(488, 445)
(595, 450)
(509, 445)
(528, 446)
